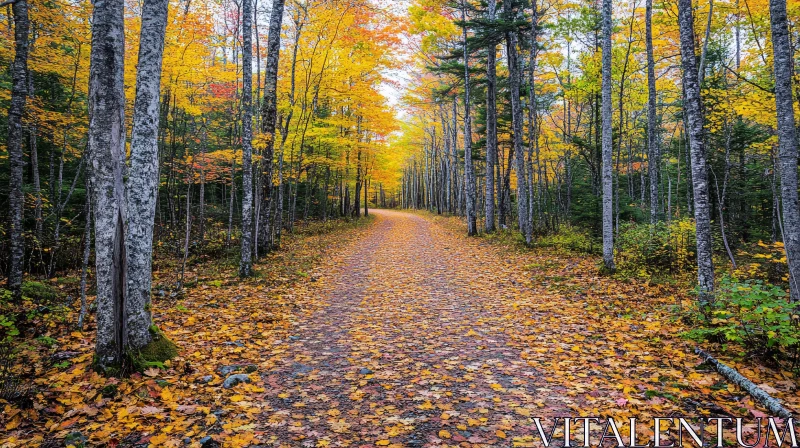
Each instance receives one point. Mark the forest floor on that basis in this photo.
(401, 333)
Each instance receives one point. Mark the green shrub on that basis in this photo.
(570, 238)
(651, 251)
(39, 292)
(755, 315)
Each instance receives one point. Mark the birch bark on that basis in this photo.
(107, 151)
(142, 187)
(245, 265)
(787, 140)
(699, 171)
(19, 91)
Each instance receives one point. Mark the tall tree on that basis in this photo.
(142, 186)
(653, 150)
(491, 123)
(269, 112)
(107, 152)
(469, 169)
(245, 265)
(607, 140)
(787, 139)
(692, 108)
(19, 91)
(514, 81)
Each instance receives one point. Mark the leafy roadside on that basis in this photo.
(626, 346)
(223, 327)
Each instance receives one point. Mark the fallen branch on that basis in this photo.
(772, 404)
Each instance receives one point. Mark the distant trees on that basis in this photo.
(675, 134)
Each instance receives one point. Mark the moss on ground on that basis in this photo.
(159, 349)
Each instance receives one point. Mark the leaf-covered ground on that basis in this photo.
(403, 333)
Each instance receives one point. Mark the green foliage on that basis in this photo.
(570, 238)
(8, 318)
(47, 341)
(8, 329)
(652, 252)
(755, 315)
(154, 354)
(38, 292)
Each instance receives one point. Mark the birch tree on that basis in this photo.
(516, 119)
(653, 150)
(245, 265)
(107, 152)
(142, 187)
(19, 89)
(469, 169)
(491, 124)
(606, 141)
(787, 139)
(269, 113)
(694, 123)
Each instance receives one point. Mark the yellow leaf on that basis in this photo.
(383, 442)
(445, 434)
(500, 434)
(166, 395)
(158, 439)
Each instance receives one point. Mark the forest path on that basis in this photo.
(412, 347)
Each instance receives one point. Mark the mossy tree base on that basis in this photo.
(154, 354)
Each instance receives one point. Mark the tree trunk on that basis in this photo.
(107, 151)
(469, 169)
(245, 264)
(491, 125)
(232, 199)
(37, 186)
(143, 180)
(653, 149)
(187, 230)
(516, 119)
(607, 142)
(87, 252)
(701, 70)
(694, 118)
(787, 140)
(269, 114)
(533, 142)
(19, 91)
